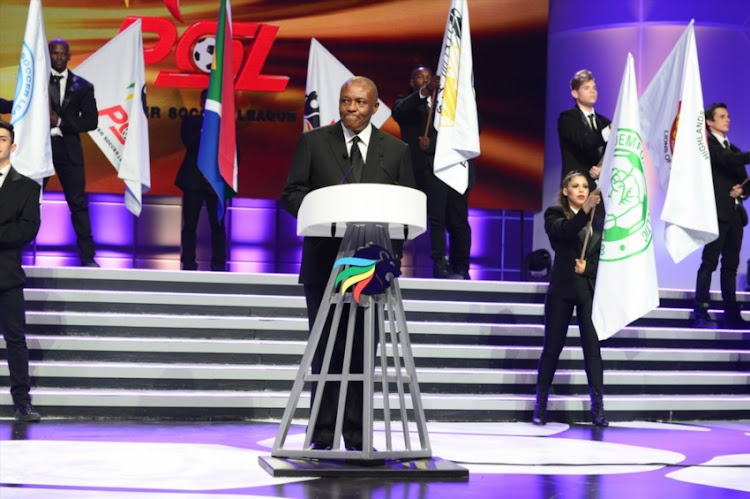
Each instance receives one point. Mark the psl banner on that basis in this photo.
(30, 113)
(117, 72)
(325, 75)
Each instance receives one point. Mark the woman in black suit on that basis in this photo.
(571, 286)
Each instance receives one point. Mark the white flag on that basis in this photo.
(675, 131)
(117, 72)
(30, 114)
(456, 110)
(325, 75)
(626, 286)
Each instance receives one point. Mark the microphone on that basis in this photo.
(351, 168)
(395, 182)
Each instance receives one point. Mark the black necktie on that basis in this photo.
(54, 89)
(726, 144)
(592, 121)
(358, 164)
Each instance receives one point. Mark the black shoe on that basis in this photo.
(90, 263)
(701, 320)
(597, 408)
(363, 462)
(442, 270)
(540, 407)
(26, 412)
(314, 445)
(734, 321)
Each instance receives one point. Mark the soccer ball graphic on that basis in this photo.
(203, 54)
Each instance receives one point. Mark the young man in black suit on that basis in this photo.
(728, 172)
(19, 224)
(323, 157)
(582, 131)
(447, 210)
(72, 112)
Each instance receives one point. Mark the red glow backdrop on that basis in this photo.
(381, 39)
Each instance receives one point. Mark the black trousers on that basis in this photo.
(192, 202)
(73, 180)
(728, 246)
(326, 421)
(447, 210)
(13, 325)
(557, 314)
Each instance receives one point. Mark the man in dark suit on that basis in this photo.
(447, 210)
(72, 111)
(328, 156)
(582, 131)
(19, 224)
(728, 172)
(195, 192)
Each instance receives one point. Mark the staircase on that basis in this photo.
(196, 345)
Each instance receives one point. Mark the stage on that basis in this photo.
(105, 459)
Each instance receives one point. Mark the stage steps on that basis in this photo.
(187, 345)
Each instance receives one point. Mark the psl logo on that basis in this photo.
(371, 271)
(627, 226)
(119, 117)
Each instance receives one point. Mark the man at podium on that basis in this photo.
(349, 151)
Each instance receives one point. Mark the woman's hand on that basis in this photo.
(594, 199)
(580, 266)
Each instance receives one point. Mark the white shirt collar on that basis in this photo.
(64, 74)
(364, 135)
(4, 172)
(721, 138)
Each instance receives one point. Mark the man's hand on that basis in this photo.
(594, 199)
(580, 266)
(595, 171)
(736, 191)
(424, 143)
(53, 118)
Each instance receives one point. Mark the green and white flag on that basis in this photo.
(626, 286)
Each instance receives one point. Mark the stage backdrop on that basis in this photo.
(599, 35)
(382, 39)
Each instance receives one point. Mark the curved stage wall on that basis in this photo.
(598, 36)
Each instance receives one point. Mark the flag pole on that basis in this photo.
(426, 142)
(588, 232)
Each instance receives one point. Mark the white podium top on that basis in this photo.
(362, 203)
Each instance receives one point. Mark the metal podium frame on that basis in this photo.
(356, 207)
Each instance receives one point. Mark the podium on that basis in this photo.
(362, 214)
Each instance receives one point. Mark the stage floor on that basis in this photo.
(200, 460)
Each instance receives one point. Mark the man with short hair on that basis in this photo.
(728, 172)
(326, 156)
(447, 210)
(19, 224)
(582, 131)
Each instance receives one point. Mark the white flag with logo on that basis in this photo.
(675, 131)
(117, 72)
(325, 75)
(626, 286)
(30, 113)
(456, 110)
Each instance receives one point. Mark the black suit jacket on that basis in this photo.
(727, 170)
(19, 224)
(411, 113)
(566, 237)
(189, 176)
(581, 147)
(320, 160)
(79, 114)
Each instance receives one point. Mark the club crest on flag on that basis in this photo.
(24, 85)
(627, 224)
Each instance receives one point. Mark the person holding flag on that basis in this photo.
(729, 177)
(447, 209)
(576, 243)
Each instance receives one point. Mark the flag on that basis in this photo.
(456, 110)
(30, 113)
(217, 155)
(117, 72)
(325, 75)
(675, 131)
(626, 286)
